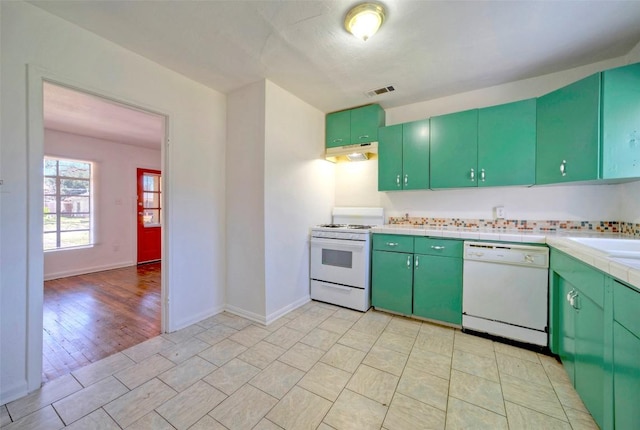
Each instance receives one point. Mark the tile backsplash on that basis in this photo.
(625, 228)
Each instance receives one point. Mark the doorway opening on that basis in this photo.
(97, 300)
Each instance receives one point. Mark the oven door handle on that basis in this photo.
(338, 243)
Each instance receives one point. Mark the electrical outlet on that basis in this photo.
(499, 212)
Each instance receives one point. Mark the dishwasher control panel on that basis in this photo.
(506, 253)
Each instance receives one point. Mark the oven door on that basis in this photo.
(338, 261)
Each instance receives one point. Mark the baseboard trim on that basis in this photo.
(15, 392)
(289, 308)
(245, 314)
(272, 316)
(86, 270)
(194, 319)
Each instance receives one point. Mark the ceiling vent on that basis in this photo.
(380, 91)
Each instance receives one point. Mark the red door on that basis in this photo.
(149, 212)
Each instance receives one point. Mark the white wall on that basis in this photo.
(114, 202)
(278, 187)
(194, 172)
(629, 195)
(245, 201)
(356, 183)
(298, 191)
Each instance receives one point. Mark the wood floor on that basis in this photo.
(89, 317)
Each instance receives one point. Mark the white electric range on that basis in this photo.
(340, 270)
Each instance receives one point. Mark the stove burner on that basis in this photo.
(352, 226)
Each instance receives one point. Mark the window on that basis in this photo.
(67, 203)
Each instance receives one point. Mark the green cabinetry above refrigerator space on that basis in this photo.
(359, 125)
(403, 156)
(454, 150)
(507, 144)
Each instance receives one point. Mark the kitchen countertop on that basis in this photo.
(618, 268)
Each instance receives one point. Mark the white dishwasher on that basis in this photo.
(505, 290)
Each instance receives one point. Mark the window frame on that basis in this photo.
(59, 197)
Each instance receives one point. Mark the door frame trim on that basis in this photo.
(36, 76)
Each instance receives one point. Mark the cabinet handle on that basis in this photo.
(563, 168)
(406, 179)
(337, 140)
(437, 248)
(571, 298)
(366, 136)
(408, 262)
(482, 175)
(417, 261)
(472, 175)
(398, 181)
(392, 243)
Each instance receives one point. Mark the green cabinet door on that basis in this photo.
(391, 281)
(621, 122)
(568, 133)
(415, 155)
(589, 355)
(454, 150)
(437, 288)
(626, 376)
(507, 144)
(338, 129)
(390, 158)
(626, 356)
(566, 327)
(365, 122)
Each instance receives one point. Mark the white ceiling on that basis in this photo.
(75, 112)
(426, 49)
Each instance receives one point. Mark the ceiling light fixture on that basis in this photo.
(364, 20)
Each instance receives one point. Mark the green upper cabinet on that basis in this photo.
(454, 150)
(415, 155)
(365, 122)
(507, 144)
(359, 125)
(390, 158)
(621, 122)
(338, 129)
(403, 156)
(568, 133)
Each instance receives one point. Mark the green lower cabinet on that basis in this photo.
(626, 376)
(581, 329)
(595, 330)
(437, 288)
(626, 357)
(566, 328)
(589, 358)
(392, 281)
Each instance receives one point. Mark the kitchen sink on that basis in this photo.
(628, 249)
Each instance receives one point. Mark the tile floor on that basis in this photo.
(319, 367)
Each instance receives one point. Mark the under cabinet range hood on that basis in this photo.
(355, 152)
